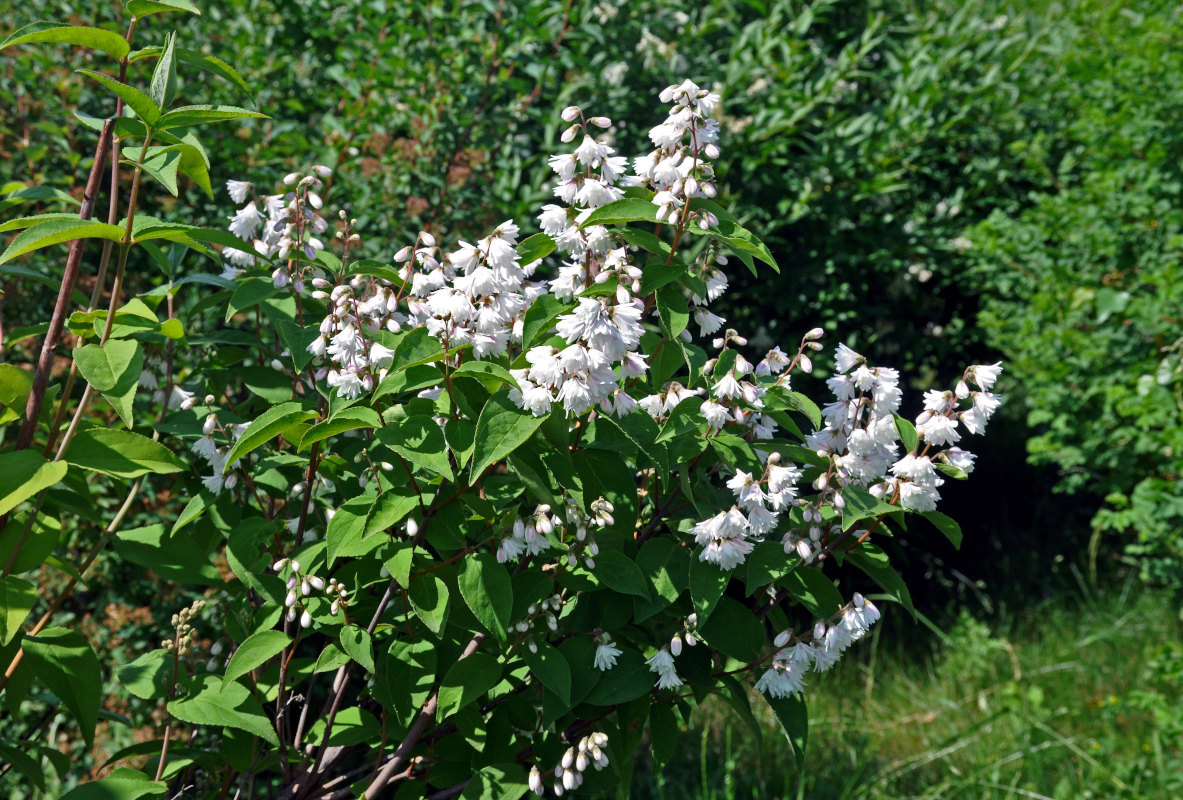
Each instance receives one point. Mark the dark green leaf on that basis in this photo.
(267, 426)
(142, 8)
(429, 597)
(467, 680)
(500, 429)
(114, 370)
(254, 651)
(815, 591)
(550, 667)
(873, 561)
(228, 705)
(707, 583)
(621, 573)
(794, 721)
(197, 115)
(626, 209)
(121, 783)
(734, 631)
(136, 100)
(946, 525)
(23, 474)
(63, 661)
(178, 559)
(164, 78)
(535, 247)
(486, 588)
(17, 598)
(58, 230)
(357, 642)
(907, 432)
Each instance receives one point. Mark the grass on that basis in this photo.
(1081, 697)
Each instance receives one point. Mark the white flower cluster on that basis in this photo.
(476, 295)
(677, 169)
(661, 663)
(606, 653)
(207, 448)
(289, 222)
(822, 650)
(588, 752)
(348, 335)
(725, 537)
(860, 433)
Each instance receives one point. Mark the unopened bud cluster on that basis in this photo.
(182, 641)
(568, 774)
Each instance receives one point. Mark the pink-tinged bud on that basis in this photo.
(210, 425)
(295, 565)
(601, 122)
(962, 390)
(536, 781)
(805, 364)
(427, 239)
(317, 583)
(569, 134)
(305, 588)
(571, 113)
(839, 503)
(816, 333)
(322, 170)
(305, 620)
(278, 565)
(334, 607)
(290, 600)
(804, 550)
(403, 255)
(781, 639)
(291, 178)
(676, 646)
(314, 200)
(690, 640)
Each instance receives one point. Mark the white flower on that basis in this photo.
(238, 190)
(662, 664)
(606, 653)
(985, 375)
(938, 430)
(845, 358)
(715, 414)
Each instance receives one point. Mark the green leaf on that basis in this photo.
(109, 42)
(142, 8)
(734, 631)
(642, 431)
(815, 591)
(120, 454)
(619, 572)
(535, 247)
(487, 371)
(26, 765)
(356, 641)
(730, 231)
(164, 78)
(136, 100)
(250, 292)
(197, 115)
(794, 721)
(388, 510)
(163, 166)
(540, 318)
(227, 705)
(63, 661)
(178, 559)
(255, 651)
(15, 385)
(486, 588)
(347, 419)
(114, 370)
(428, 595)
(860, 505)
(25, 473)
(121, 784)
(907, 432)
(56, 230)
(17, 598)
(551, 668)
(671, 306)
(626, 209)
(465, 681)
(20, 223)
(267, 426)
(707, 583)
(346, 533)
(193, 509)
(497, 782)
(148, 676)
(501, 428)
(37, 194)
(946, 525)
(420, 441)
(873, 561)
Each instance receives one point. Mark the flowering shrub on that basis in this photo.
(471, 519)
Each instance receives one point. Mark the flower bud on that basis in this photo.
(781, 639)
(805, 364)
(305, 620)
(676, 645)
(571, 113)
(569, 134)
(210, 425)
(601, 122)
(291, 178)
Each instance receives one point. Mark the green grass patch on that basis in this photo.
(1076, 698)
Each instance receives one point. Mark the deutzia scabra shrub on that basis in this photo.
(469, 521)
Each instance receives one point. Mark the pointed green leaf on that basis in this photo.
(486, 588)
(540, 318)
(551, 668)
(357, 642)
(707, 583)
(534, 248)
(197, 115)
(120, 454)
(180, 558)
(619, 572)
(114, 370)
(25, 764)
(267, 426)
(23, 474)
(420, 441)
(254, 651)
(946, 525)
(227, 705)
(347, 419)
(142, 8)
(743, 241)
(465, 681)
(501, 428)
(164, 78)
(109, 42)
(815, 591)
(428, 595)
(136, 100)
(794, 721)
(148, 676)
(121, 784)
(17, 598)
(57, 230)
(28, 222)
(873, 561)
(63, 661)
(907, 432)
(626, 209)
